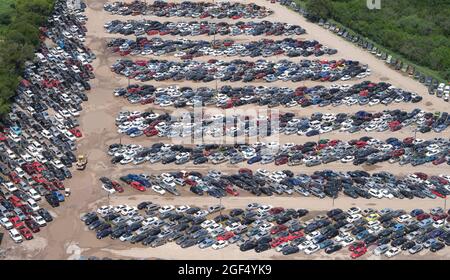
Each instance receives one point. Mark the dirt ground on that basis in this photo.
(67, 237)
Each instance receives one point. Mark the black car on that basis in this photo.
(437, 246)
(408, 245)
(333, 248)
(262, 247)
(288, 250)
(248, 245)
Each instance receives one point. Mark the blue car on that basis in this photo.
(325, 244)
(16, 130)
(425, 222)
(398, 227)
(59, 196)
(363, 234)
(416, 212)
(254, 159)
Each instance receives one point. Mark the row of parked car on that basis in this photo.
(365, 93)
(194, 28)
(320, 184)
(38, 137)
(190, 49)
(260, 228)
(365, 150)
(197, 125)
(192, 9)
(435, 87)
(240, 70)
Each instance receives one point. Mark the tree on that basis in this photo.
(319, 8)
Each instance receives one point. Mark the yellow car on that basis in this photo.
(372, 217)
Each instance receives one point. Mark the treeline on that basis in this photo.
(419, 30)
(18, 41)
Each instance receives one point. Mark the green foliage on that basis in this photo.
(19, 36)
(416, 29)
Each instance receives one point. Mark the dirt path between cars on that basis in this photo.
(67, 237)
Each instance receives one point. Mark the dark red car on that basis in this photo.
(278, 228)
(26, 233)
(281, 160)
(117, 186)
(32, 225)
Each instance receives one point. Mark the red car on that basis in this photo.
(190, 182)
(15, 201)
(38, 178)
(28, 168)
(38, 167)
(439, 161)
(58, 184)
(17, 223)
(138, 186)
(227, 235)
(14, 177)
(421, 175)
(423, 216)
(76, 132)
(276, 210)
(440, 216)
(231, 191)
(245, 171)
(281, 160)
(358, 252)
(2, 137)
(355, 245)
(117, 186)
(438, 194)
(150, 132)
(26, 233)
(278, 228)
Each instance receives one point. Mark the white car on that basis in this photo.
(149, 221)
(312, 249)
(233, 227)
(207, 223)
(33, 205)
(439, 223)
(220, 244)
(15, 235)
(341, 237)
(353, 218)
(354, 210)
(104, 210)
(347, 241)
(34, 194)
(305, 244)
(404, 218)
(158, 189)
(6, 223)
(110, 190)
(280, 247)
(213, 227)
(264, 208)
(182, 208)
(166, 208)
(312, 235)
(39, 220)
(10, 186)
(375, 193)
(392, 252)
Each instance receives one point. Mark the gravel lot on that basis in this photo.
(69, 238)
